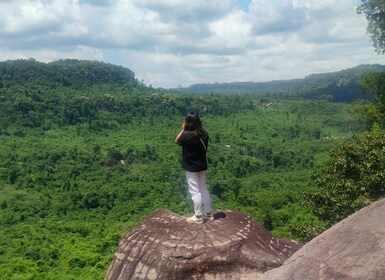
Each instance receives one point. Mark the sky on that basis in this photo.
(173, 43)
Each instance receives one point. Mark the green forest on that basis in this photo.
(87, 151)
(341, 86)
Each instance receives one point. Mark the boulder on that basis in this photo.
(165, 246)
(352, 249)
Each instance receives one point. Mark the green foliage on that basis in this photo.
(354, 178)
(79, 166)
(374, 83)
(374, 11)
(71, 73)
(341, 86)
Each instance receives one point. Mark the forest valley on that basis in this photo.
(87, 151)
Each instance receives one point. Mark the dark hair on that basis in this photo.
(193, 122)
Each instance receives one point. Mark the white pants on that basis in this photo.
(200, 196)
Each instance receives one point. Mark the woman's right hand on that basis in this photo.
(180, 133)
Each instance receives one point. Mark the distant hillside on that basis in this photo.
(341, 86)
(36, 94)
(73, 73)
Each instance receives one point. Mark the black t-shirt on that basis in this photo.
(193, 150)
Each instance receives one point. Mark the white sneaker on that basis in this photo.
(210, 216)
(195, 220)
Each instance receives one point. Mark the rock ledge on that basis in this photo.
(353, 249)
(165, 246)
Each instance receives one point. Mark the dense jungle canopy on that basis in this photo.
(87, 151)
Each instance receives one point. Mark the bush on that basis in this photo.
(354, 178)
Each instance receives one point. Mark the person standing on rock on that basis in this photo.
(193, 139)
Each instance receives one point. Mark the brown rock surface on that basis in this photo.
(165, 246)
(352, 249)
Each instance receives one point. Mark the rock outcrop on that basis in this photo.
(165, 246)
(352, 249)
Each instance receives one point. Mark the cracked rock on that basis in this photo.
(165, 246)
(353, 249)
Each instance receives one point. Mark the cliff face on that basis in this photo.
(352, 249)
(165, 246)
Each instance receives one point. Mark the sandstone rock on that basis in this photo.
(352, 249)
(165, 246)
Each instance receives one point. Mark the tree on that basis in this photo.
(374, 83)
(374, 11)
(354, 178)
(355, 175)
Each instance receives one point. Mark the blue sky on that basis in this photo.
(170, 43)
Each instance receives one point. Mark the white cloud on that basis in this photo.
(171, 42)
(272, 17)
(48, 55)
(20, 17)
(181, 11)
(231, 31)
